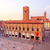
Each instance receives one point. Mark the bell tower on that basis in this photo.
(45, 16)
(25, 13)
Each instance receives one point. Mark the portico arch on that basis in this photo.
(9, 33)
(16, 34)
(12, 33)
(23, 35)
(27, 35)
(37, 35)
(6, 32)
(32, 36)
(19, 34)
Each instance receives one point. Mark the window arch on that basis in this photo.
(23, 28)
(32, 28)
(16, 27)
(37, 28)
(19, 28)
(13, 27)
(37, 18)
(9, 27)
(27, 28)
(4, 27)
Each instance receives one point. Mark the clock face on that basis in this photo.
(24, 11)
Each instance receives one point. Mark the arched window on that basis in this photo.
(37, 29)
(32, 28)
(27, 28)
(37, 18)
(23, 28)
(13, 27)
(16, 27)
(9, 27)
(19, 28)
(24, 11)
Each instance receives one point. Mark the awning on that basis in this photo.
(6, 32)
(32, 34)
(37, 34)
(9, 32)
(23, 33)
(27, 35)
(16, 33)
(12, 32)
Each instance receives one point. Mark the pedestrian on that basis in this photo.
(32, 47)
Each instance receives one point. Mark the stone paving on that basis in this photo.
(14, 43)
(11, 45)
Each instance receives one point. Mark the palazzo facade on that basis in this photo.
(26, 28)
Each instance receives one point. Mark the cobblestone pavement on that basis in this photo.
(45, 45)
(11, 45)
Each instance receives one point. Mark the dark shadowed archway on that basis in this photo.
(19, 34)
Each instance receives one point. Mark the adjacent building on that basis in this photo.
(47, 26)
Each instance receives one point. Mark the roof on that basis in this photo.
(24, 22)
(47, 21)
(37, 17)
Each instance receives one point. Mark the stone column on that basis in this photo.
(14, 33)
(25, 35)
(40, 36)
(21, 35)
(18, 34)
(29, 35)
(34, 35)
(11, 29)
(8, 32)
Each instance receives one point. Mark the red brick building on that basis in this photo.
(28, 29)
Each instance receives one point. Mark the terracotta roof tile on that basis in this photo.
(37, 17)
(47, 21)
(23, 21)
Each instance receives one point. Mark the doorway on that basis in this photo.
(9, 35)
(32, 37)
(15, 35)
(19, 34)
(37, 38)
(23, 36)
(27, 37)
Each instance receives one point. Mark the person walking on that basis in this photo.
(32, 47)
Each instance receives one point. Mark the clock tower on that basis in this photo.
(25, 13)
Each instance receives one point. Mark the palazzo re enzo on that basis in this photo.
(27, 28)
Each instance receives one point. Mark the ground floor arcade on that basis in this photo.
(26, 35)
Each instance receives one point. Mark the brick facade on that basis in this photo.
(31, 27)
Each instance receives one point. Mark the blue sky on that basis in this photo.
(13, 9)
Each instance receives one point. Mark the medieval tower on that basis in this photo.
(45, 16)
(25, 13)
